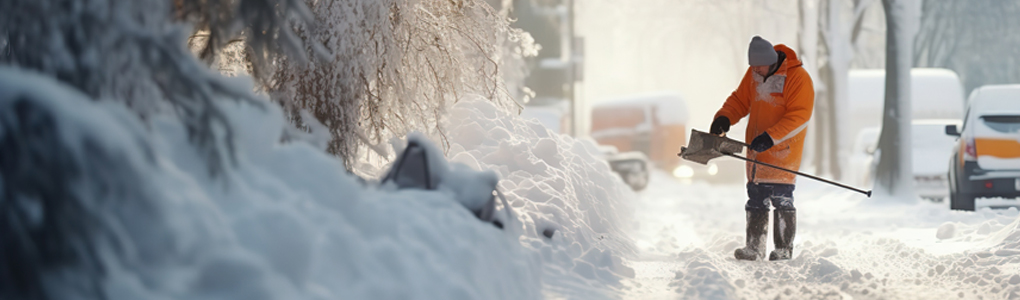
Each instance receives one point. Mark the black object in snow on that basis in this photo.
(412, 170)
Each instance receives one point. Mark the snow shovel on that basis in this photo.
(703, 147)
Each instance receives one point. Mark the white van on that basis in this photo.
(936, 100)
(929, 143)
(935, 94)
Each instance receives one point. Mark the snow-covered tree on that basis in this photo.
(807, 44)
(132, 52)
(265, 27)
(894, 174)
(393, 60)
(839, 43)
(395, 65)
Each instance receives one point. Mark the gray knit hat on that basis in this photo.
(761, 53)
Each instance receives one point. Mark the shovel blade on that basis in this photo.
(703, 147)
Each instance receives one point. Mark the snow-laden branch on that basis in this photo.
(395, 66)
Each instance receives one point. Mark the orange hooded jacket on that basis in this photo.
(781, 106)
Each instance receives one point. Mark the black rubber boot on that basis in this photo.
(784, 229)
(757, 231)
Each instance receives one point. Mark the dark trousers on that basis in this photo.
(761, 195)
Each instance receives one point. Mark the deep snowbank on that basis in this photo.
(557, 184)
(137, 214)
(286, 222)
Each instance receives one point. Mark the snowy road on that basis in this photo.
(847, 247)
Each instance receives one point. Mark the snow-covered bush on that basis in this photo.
(395, 66)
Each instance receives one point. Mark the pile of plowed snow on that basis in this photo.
(286, 221)
(561, 185)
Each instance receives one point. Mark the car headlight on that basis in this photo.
(683, 172)
(713, 169)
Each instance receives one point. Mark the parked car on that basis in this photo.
(986, 158)
(861, 168)
(928, 143)
(632, 166)
(655, 125)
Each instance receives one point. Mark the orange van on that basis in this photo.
(655, 125)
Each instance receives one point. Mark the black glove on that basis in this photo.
(719, 126)
(762, 142)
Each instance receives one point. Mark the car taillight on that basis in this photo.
(969, 150)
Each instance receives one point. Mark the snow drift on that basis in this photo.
(559, 185)
(138, 216)
(102, 204)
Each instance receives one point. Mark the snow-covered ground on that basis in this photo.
(847, 247)
(145, 219)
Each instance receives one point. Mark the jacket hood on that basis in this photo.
(792, 61)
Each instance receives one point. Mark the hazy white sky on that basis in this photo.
(697, 47)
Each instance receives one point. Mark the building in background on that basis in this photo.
(557, 70)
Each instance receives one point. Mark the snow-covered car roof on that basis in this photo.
(936, 122)
(672, 107)
(996, 99)
(607, 149)
(935, 93)
(629, 155)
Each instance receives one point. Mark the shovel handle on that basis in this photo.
(723, 135)
(868, 193)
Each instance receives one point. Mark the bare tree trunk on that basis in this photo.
(808, 51)
(822, 109)
(840, 55)
(839, 41)
(894, 176)
(835, 124)
(821, 129)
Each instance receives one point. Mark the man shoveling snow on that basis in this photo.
(778, 95)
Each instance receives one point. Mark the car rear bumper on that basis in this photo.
(995, 174)
(999, 187)
(990, 183)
